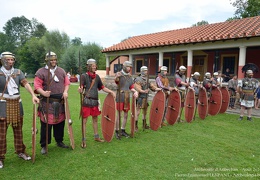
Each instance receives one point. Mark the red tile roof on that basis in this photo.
(235, 29)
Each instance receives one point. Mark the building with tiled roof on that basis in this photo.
(206, 48)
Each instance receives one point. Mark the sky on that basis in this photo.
(108, 22)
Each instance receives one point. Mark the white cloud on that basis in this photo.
(107, 22)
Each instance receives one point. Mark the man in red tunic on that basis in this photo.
(90, 84)
(55, 89)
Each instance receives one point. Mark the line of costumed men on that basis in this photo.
(52, 84)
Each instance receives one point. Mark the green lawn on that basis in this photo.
(219, 147)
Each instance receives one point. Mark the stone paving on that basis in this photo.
(255, 112)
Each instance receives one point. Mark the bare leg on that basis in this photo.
(124, 120)
(95, 124)
(95, 128)
(249, 112)
(83, 143)
(242, 111)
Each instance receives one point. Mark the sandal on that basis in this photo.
(24, 156)
(1, 164)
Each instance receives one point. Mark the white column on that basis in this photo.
(242, 61)
(190, 55)
(189, 62)
(131, 58)
(160, 59)
(107, 65)
(107, 61)
(242, 56)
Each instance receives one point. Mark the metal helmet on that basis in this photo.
(207, 75)
(89, 64)
(182, 68)
(50, 56)
(164, 68)
(3, 57)
(127, 64)
(143, 68)
(249, 71)
(196, 74)
(91, 61)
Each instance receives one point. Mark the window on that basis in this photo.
(118, 67)
(166, 62)
(138, 64)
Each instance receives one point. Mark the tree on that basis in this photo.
(203, 22)
(76, 41)
(246, 8)
(5, 45)
(56, 42)
(93, 50)
(39, 29)
(31, 55)
(18, 30)
(70, 58)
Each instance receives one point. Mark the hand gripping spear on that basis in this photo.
(48, 101)
(83, 125)
(119, 100)
(146, 97)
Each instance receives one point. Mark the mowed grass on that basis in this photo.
(219, 147)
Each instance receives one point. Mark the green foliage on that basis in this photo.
(203, 22)
(56, 42)
(76, 41)
(69, 60)
(39, 29)
(246, 8)
(18, 29)
(5, 45)
(219, 147)
(31, 56)
(93, 50)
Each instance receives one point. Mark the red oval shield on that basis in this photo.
(189, 105)
(173, 107)
(202, 103)
(157, 110)
(108, 117)
(215, 102)
(225, 100)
